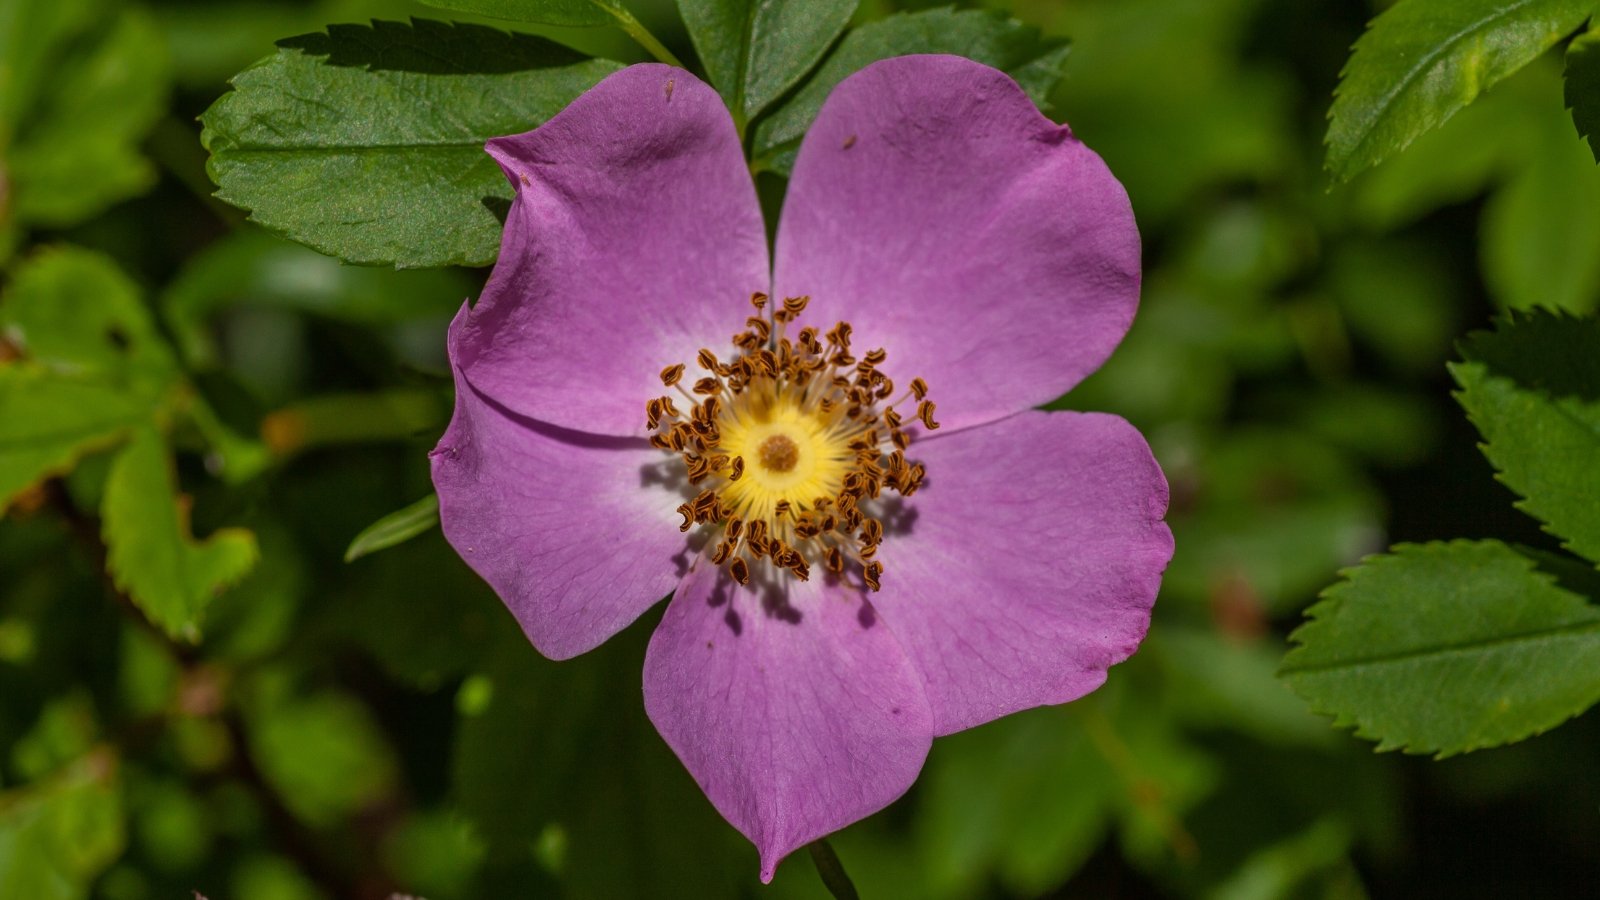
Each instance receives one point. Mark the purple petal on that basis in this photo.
(980, 244)
(574, 531)
(635, 239)
(1031, 563)
(796, 718)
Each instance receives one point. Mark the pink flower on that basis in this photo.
(985, 250)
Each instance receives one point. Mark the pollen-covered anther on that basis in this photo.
(791, 442)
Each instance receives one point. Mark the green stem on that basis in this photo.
(832, 872)
(636, 30)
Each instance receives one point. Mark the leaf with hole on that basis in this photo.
(91, 365)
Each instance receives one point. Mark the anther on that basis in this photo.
(671, 374)
(871, 573)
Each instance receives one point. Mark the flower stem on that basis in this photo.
(832, 872)
(636, 30)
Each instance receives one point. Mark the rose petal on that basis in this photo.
(574, 531)
(634, 240)
(795, 720)
(985, 248)
(1030, 564)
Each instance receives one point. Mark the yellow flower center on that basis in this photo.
(795, 441)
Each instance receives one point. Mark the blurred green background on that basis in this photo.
(348, 730)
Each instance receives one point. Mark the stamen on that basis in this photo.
(812, 420)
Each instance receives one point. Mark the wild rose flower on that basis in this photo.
(854, 570)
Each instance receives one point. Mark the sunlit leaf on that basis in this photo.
(754, 51)
(1583, 86)
(366, 143)
(151, 553)
(990, 38)
(1445, 648)
(47, 423)
(396, 528)
(1532, 386)
(1423, 60)
(73, 311)
(92, 365)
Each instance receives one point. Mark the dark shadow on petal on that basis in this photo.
(898, 515)
(567, 436)
(867, 615)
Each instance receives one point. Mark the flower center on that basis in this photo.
(822, 440)
(778, 453)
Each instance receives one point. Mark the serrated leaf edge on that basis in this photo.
(1326, 602)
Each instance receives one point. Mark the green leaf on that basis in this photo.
(1445, 648)
(48, 423)
(80, 153)
(547, 12)
(80, 95)
(73, 311)
(322, 753)
(1423, 60)
(151, 554)
(366, 143)
(754, 51)
(1532, 387)
(1582, 90)
(93, 365)
(1460, 159)
(57, 836)
(434, 853)
(396, 528)
(1541, 231)
(30, 34)
(990, 38)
